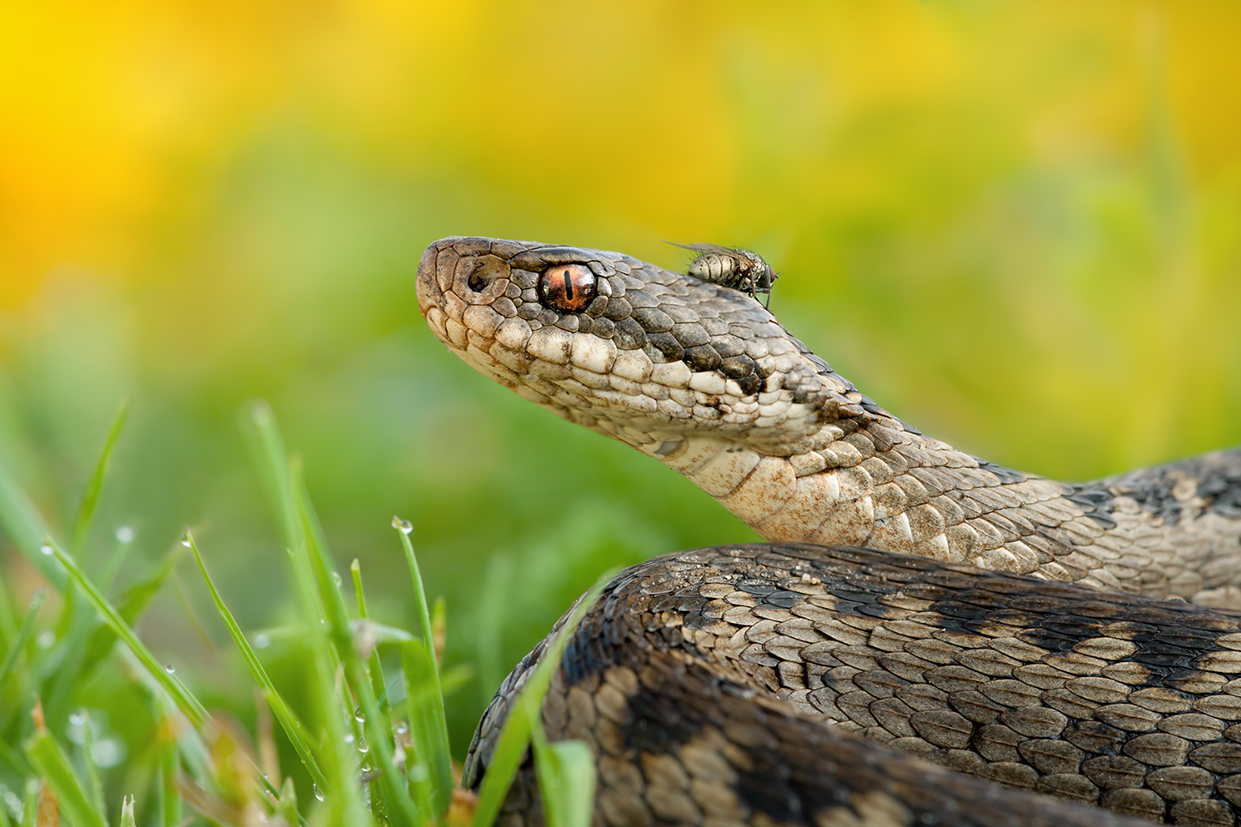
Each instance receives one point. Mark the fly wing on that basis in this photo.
(706, 248)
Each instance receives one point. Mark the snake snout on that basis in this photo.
(458, 272)
(426, 285)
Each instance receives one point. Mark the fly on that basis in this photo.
(731, 267)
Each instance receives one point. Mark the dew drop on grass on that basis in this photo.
(404, 526)
(47, 549)
(262, 640)
(170, 669)
(402, 728)
(348, 737)
(125, 534)
(359, 716)
(318, 792)
(76, 730)
(363, 747)
(107, 752)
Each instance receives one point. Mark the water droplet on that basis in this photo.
(336, 578)
(367, 769)
(363, 747)
(76, 729)
(170, 669)
(46, 639)
(47, 549)
(348, 737)
(185, 540)
(359, 716)
(402, 728)
(404, 526)
(262, 640)
(124, 534)
(318, 792)
(107, 752)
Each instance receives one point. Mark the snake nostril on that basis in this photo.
(478, 280)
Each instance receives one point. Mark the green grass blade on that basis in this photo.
(132, 605)
(400, 808)
(424, 695)
(345, 806)
(53, 765)
(8, 620)
(405, 528)
(286, 805)
(127, 812)
(272, 461)
(326, 579)
(94, 785)
(566, 772)
(428, 726)
(170, 794)
(376, 668)
(30, 808)
(18, 644)
(398, 804)
(120, 552)
(516, 733)
(90, 498)
(26, 526)
(292, 727)
(185, 701)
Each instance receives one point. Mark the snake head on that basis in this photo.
(629, 349)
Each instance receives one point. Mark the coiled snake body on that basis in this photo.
(1008, 627)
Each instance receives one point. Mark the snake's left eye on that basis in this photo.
(567, 288)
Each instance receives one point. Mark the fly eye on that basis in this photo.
(567, 288)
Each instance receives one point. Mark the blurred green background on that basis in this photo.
(1015, 224)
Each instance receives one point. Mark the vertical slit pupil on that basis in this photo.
(568, 285)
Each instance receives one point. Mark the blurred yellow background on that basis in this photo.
(1015, 224)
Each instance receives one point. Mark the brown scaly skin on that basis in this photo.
(703, 378)
(700, 680)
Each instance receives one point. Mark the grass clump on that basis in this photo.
(369, 733)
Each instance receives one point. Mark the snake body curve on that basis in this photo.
(736, 685)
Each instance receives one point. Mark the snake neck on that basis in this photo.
(867, 481)
(875, 481)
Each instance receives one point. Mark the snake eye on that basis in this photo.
(567, 288)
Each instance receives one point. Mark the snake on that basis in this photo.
(925, 637)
